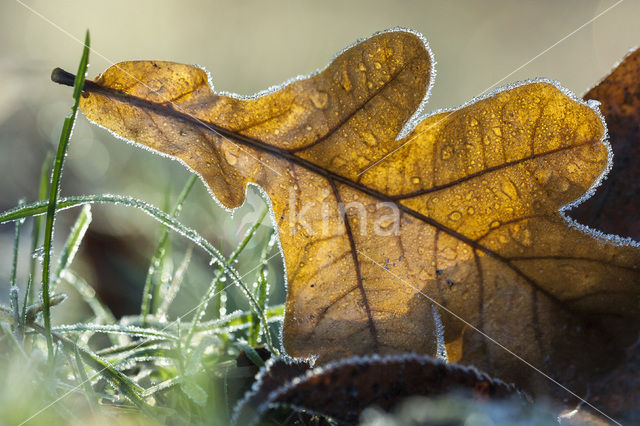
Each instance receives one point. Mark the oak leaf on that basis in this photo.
(379, 215)
(615, 207)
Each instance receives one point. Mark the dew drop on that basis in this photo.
(542, 175)
(386, 222)
(369, 139)
(415, 180)
(338, 162)
(378, 65)
(509, 189)
(231, 159)
(455, 216)
(346, 83)
(448, 253)
(38, 254)
(320, 99)
(432, 201)
(424, 274)
(523, 237)
(446, 152)
(495, 224)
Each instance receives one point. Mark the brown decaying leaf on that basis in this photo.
(276, 373)
(615, 207)
(477, 191)
(342, 390)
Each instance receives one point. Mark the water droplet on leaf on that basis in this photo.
(320, 99)
(455, 215)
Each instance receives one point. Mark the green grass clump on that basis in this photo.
(168, 364)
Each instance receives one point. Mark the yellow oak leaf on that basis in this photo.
(383, 219)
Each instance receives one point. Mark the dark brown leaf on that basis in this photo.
(342, 390)
(615, 207)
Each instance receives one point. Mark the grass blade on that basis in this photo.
(13, 342)
(37, 226)
(215, 286)
(120, 349)
(163, 386)
(54, 192)
(13, 299)
(23, 319)
(262, 293)
(35, 236)
(102, 313)
(251, 353)
(120, 381)
(219, 284)
(114, 329)
(89, 393)
(158, 254)
(16, 243)
(176, 281)
(13, 290)
(32, 311)
(71, 246)
(239, 320)
(164, 270)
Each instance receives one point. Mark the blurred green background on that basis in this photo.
(247, 46)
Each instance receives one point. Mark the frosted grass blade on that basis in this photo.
(54, 192)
